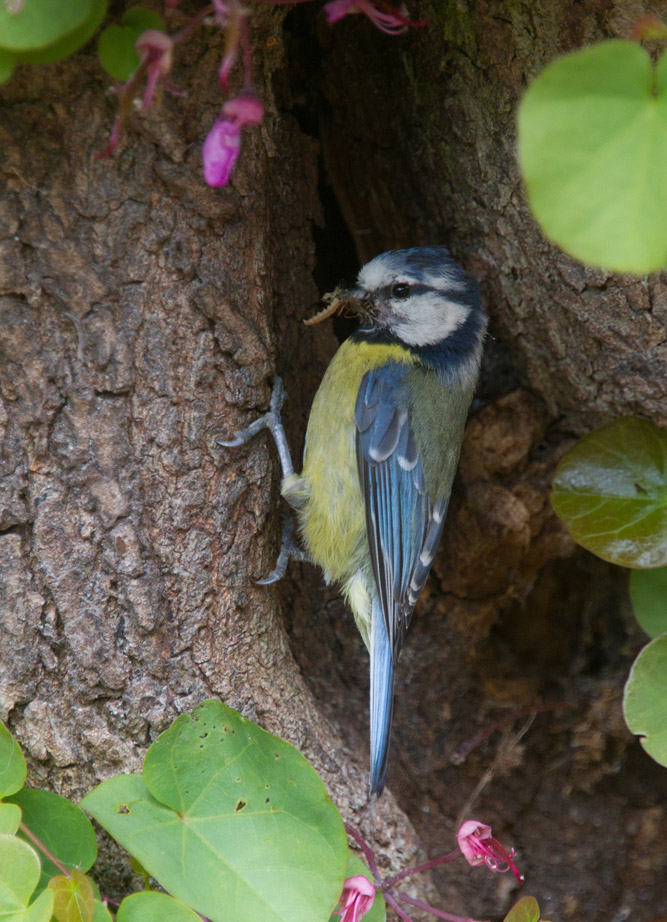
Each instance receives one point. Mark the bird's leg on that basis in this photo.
(288, 551)
(274, 424)
(272, 421)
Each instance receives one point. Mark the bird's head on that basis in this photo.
(420, 298)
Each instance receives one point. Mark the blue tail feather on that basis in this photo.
(382, 698)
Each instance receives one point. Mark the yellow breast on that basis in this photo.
(332, 516)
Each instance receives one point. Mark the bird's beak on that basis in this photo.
(350, 302)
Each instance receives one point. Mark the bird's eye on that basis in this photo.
(400, 290)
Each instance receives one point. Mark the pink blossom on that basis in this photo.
(156, 50)
(384, 15)
(220, 152)
(356, 899)
(223, 143)
(244, 109)
(479, 847)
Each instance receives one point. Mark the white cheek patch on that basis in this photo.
(424, 320)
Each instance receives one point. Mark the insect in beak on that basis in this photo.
(348, 302)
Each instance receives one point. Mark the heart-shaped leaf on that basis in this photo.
(592, 149)
(231, 820)
(610, 490)
(73, 897)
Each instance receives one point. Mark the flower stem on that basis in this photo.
(390, 900)
(438, 913)
(43, 849)
(193, 23)
(391, 881)
(367, 850)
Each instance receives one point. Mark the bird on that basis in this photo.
(381, 450)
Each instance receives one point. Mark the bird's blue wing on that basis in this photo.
(403, 527)
(403, 524)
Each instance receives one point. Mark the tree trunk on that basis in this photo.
(142, 318)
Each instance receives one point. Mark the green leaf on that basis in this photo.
(61, 826)
(70, 42)
(101, 913)
(645, 699)
(19, 873)
(40, 23)
(116, 50)
(378, 911)
(592, 148)
(10, 817)
(6, 65)
(231, 820)
(117, 53)
(73, 897)
(526, 910)
(610, 490)
(648, 594)
(154, 907)
(12, 764)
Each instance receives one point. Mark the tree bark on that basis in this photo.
(143, 316)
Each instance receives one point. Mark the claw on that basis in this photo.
(271, 421)
(244, 435)
(231, 443)
(288, 550)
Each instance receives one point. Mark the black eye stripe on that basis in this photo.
(463, 298)
(414, 288)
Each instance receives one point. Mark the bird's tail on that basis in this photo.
(382, 698)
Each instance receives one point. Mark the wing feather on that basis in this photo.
(403, 525)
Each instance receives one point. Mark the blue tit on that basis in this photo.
(381, 450)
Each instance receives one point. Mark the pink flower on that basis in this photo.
(244, 109)
(356, 899)
(156, 50)
(223, 142)
(479, 847)
(382, 14)
(220, 152)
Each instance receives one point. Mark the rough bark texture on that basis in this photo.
(142, 317)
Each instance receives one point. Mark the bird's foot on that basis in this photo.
(271, 421)
(288, 551)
